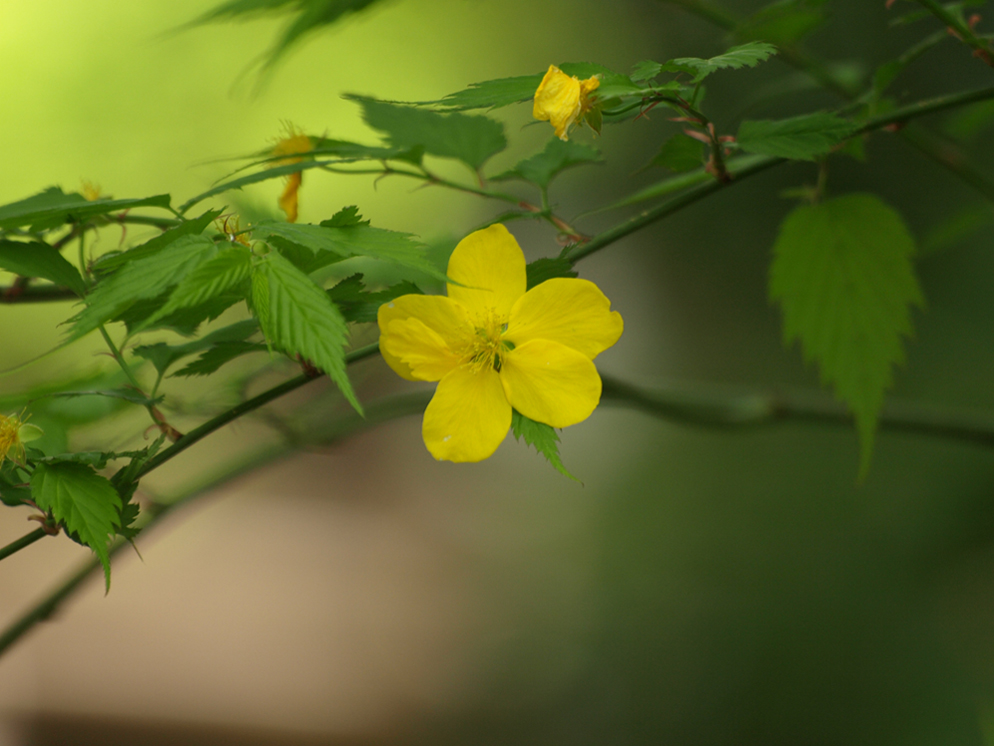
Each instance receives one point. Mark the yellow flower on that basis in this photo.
(562, 99)
(91, 191)
(492, 346)
(14, 433)
(292, 143)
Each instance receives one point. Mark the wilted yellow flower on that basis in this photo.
(14, 433)
(91, 191)
(493, 347)
(292, 143)
(563, 99)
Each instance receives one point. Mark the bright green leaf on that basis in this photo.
(40, 260)
(301, 320)
(843, 275)
(53, 207)
(542, 437)
(110, 262)
(744, 55)
(82, 501)
(470, 139)
(806, 137)
(558, 155)
(491, 94)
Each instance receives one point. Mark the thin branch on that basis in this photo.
(44, 294)
(962, 31)
(25, 541)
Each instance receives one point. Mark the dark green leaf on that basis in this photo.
(783, 22)
(140, 279)
(645, 70)
(680, 154)
(40, 260)
(802, 138)
(842, 272)
(359, 305)
(300, 319)
(219, 354)
(542, 437)
(184, 321)
(358, 239)
(162, 355)
(53, 207)
(558, 155)
(470, 139)
(547, 268)
(744, 55)
(270, 173)
(491, 94)
(82, 501)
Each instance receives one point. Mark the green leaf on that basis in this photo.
(113, 261)
(300, 319)
(470, 139)
(40, 260)
(801, 138)
(783, 22)
(269, 173)
(359, 305)
(162, 356)
(213, 277)
(344, 239)
(744, 55)
(491, 94)
(219, 354)
(843, 275)
(82, 501)
(140, 279)
(558, 155)
(645, 70)
(547, 268)
(184, 321)
(53, 207)
(542, 437)
(680, 154)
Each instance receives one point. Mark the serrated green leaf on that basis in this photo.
(645, 70)
(38, 259)
(801, 138)
(111, 262)
(491, 94)
(680, 154)
(301, 320)
(783, 22)
(842, 273)
(359, 305)
(540, 436)
(53, 207)
(184, 321)
(140, 279)
(213, 277)
(558, 155)
(82, 501)
(162, 356)
(744, 55)
(548, 268)
(351, 240)
(470, 139)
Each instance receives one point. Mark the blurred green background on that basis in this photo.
(701, 587)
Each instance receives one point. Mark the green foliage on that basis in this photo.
(680, 154)
(82, 501)
(470, 139)
(806, 137)
(162, 356)
(53, 208)
(491, 94)
(139, 279)
(300, 319)
(194, 227)
(558, 155)
(744, 55)
(783, 22)
(218, 354)
(38, 259)
(547, 268)
(359, 305)
(540, 436)
(843, 275)
(344, 236)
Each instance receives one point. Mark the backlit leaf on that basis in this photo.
(40, 260)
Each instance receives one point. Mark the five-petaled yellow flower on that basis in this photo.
(292, 144)
(562, 99)
(492, 346)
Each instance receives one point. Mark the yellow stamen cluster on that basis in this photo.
(10, 438)
(483, 350)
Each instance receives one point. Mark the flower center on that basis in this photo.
(9, 440)
(484, 349)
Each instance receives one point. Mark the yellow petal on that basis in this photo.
(421, 349)
(468, 417)
(557, 100)
(587, 87)
(441, 315)
(567, 310)
(288, 200)
(550, 382)
(491, 267)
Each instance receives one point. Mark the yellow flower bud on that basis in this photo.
(562, 100)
